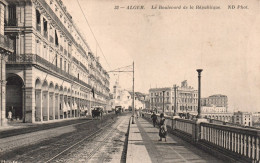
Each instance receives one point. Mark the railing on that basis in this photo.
(234, 142)
(6, 43)
(35, 59)
(84, 67)
(184, 125)
(241, 141)
(81, 48)
(12, 22)
(56, 19)
(75, 60)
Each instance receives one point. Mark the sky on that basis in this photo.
(167, 46)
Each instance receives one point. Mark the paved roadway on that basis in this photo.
(42, 145)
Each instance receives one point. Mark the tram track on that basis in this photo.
(103, 133)
(77, 143)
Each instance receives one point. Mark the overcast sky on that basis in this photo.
(168, 46)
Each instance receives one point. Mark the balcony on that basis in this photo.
(11, 22)
(37, 60)
(75, 60)
(6, 43)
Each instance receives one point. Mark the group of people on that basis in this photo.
(162, 125)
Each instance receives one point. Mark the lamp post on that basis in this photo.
(199, 92)
(163, 101)
(156, 102)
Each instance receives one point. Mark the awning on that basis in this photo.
(65, 109)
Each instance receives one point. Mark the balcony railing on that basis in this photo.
(11, 22)
(56, 19)
(6, 43)
(75, 60)
(84, 67)
(35, 59)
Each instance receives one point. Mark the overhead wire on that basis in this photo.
(93, 34)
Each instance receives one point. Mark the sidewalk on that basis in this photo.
(143, 146)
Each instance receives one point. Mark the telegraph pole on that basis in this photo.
(133, 115)
(163, 101)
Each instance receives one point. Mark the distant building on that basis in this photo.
(217, 100)
(186, 98)
(124, 98)
(213, 109)
(243, 118)
(156, 99)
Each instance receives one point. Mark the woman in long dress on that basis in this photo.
(163, 128)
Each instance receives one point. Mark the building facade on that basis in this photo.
(124, 98)
(243, 118)
(52, 73)
(160, 97)
(186, 98)
(216, 100)
(6, 48)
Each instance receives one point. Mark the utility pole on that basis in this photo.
(133, 115)
(163, 101)
(175, 105)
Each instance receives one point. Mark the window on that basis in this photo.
(45, 27)
(65, 66)
(56, 60)
(56, 39)
(60, 63)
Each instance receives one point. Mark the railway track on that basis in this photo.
(103, 135)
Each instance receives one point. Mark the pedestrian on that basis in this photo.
(10, 115)
(154, 118)
(162, 128)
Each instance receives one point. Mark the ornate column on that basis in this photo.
(199, 92)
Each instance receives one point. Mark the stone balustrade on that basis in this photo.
(234, 142)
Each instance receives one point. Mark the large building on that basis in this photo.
(6, 48)
(160, 97)
(186, 98)
(243, 118)
(52, 73)
(217, 100)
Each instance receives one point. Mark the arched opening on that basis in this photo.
(38, 100)
(14, 97)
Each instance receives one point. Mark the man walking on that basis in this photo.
(154, 118)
